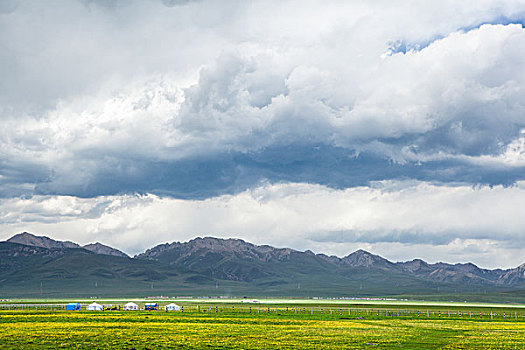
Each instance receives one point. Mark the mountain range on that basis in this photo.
(38, 265)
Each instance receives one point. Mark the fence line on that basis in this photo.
(312, 310)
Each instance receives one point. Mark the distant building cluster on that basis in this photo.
(127, 307)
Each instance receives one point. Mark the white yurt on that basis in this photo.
(131, 306)
(95, 307)
(172, 307)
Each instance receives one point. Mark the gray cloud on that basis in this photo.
(412, 236)
(8, 6)
(173, 3)
(247, 119)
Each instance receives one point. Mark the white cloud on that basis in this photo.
(398, 220)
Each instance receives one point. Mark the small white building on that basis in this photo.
(251, 301)
(95, 307)
(131, 307)
(172, 307)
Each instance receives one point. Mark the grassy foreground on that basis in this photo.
(154, 330)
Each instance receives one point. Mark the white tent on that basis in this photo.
(172, 307)
(94, 307)
(131, 306)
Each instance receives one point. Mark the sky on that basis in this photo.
(394, 127)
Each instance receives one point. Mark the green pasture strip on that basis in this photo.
(359, 307)
(351, 308)
(155, 330)
(390, 303)
(358, 311)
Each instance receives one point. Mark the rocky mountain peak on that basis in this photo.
(99, 248)
(30, 239)
(414, 265)
(217, 244)
(362, 258)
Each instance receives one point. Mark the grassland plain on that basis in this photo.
(277, 329)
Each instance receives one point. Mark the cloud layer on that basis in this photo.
(200, 100)
(192, 106)
(398, 220)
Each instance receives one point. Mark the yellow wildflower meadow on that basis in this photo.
(159, 330)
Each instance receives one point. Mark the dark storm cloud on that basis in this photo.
(199, 178)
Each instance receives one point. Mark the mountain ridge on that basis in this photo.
(30, 239)
(245, 266)
(180, 253)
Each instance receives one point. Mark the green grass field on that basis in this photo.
(278, 324)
